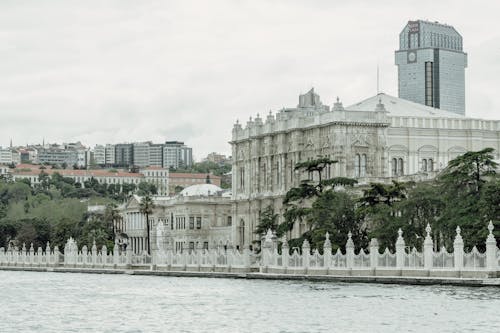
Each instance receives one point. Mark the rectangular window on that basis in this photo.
(198, 222)
(205, 245)
(191, 222)
(229, 220)
(191, 246)
(429, 98)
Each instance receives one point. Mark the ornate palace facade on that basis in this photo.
(378, 139)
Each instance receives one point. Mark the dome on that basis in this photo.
(201, 190)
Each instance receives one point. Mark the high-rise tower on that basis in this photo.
(431, 66)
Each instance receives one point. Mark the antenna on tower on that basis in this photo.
(378, 80)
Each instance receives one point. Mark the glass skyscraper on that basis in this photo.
(431, 66)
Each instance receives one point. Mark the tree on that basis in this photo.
(334, 212)
(462, 185)
(267, 220)
(112, 216)
(146, 207)
(302, 203)
(145, 188)
(468, 172)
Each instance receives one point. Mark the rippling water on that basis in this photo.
(58, 302)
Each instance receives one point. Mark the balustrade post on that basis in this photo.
(31, 255)
(116, 254)
(246, 256)
(104, 255)
(428, 251)
(458, 250)
(84, 253)
(57, 256)
(170, 255)
(199, 254)
(349, 251)
(374, 253)
(94, 254)
(491, 249)
(400, 250)
(48, 255)
(285, 252)
(306, 253)
(266, 247)
(128, 257)
(327, 251)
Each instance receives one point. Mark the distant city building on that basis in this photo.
(217, 158)
(109, 152)
(100, 155)
(141, 154)
(157, 176)
(9, 156)
(177, 155)
(124, 154)
(431, 66)
(156, 154)
(58, 155)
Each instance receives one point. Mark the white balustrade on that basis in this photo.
(303, 258)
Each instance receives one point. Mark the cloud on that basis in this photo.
(118, 71)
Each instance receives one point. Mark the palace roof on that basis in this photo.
(401, 107)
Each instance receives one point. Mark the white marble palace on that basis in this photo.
(378, 139)
(197, 218)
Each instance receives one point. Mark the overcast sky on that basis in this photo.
(123, 71)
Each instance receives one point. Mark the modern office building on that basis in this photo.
(99, 155)
(58, 155)
(124, 154)
(156, 155)
(141, 154)
(431, 66)
(176, 154)
(109, 152)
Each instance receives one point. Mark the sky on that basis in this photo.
(123, 71)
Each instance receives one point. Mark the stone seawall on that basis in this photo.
(404, 280)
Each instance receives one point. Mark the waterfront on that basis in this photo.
(58, 302)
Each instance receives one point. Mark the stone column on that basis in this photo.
(428, 251)
(491, 249)
(374, 253)
(458, 251)
(400, 250)
(349, 251)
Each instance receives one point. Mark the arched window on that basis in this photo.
(424, 165)
(430, 165)
(401, 167)
(394, 167)
(362, 169)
